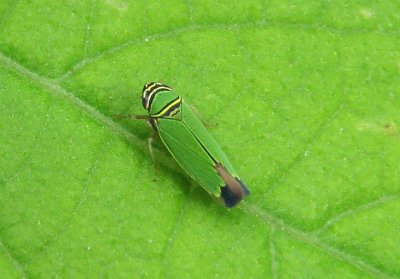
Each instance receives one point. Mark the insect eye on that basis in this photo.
(145, 100)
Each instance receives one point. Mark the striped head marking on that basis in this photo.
(150, 90)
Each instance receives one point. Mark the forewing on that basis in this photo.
(207, 140)
(190, 154)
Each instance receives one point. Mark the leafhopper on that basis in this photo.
(190, 143)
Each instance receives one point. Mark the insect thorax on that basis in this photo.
(167, 104)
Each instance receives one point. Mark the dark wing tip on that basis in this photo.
(234, 190)
(233, 193)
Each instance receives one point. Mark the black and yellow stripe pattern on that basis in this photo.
(170, 109)
(170, 104)
(149, 92)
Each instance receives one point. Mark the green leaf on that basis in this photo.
(305, 96)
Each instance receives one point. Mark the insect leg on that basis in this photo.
(132, 116)
(150, 141)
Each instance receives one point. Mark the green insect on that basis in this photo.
(190, 143)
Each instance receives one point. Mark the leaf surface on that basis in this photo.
(305, 98)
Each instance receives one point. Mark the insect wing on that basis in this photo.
(190, 154)
(207, 140)
(233, 190)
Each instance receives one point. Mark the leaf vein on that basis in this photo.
(353, 211)
(16, 262)
(88, 28)
(223, 27)
(273, 254)
(313, 240)
(276, 180)
(190, 4)
(172, 234)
